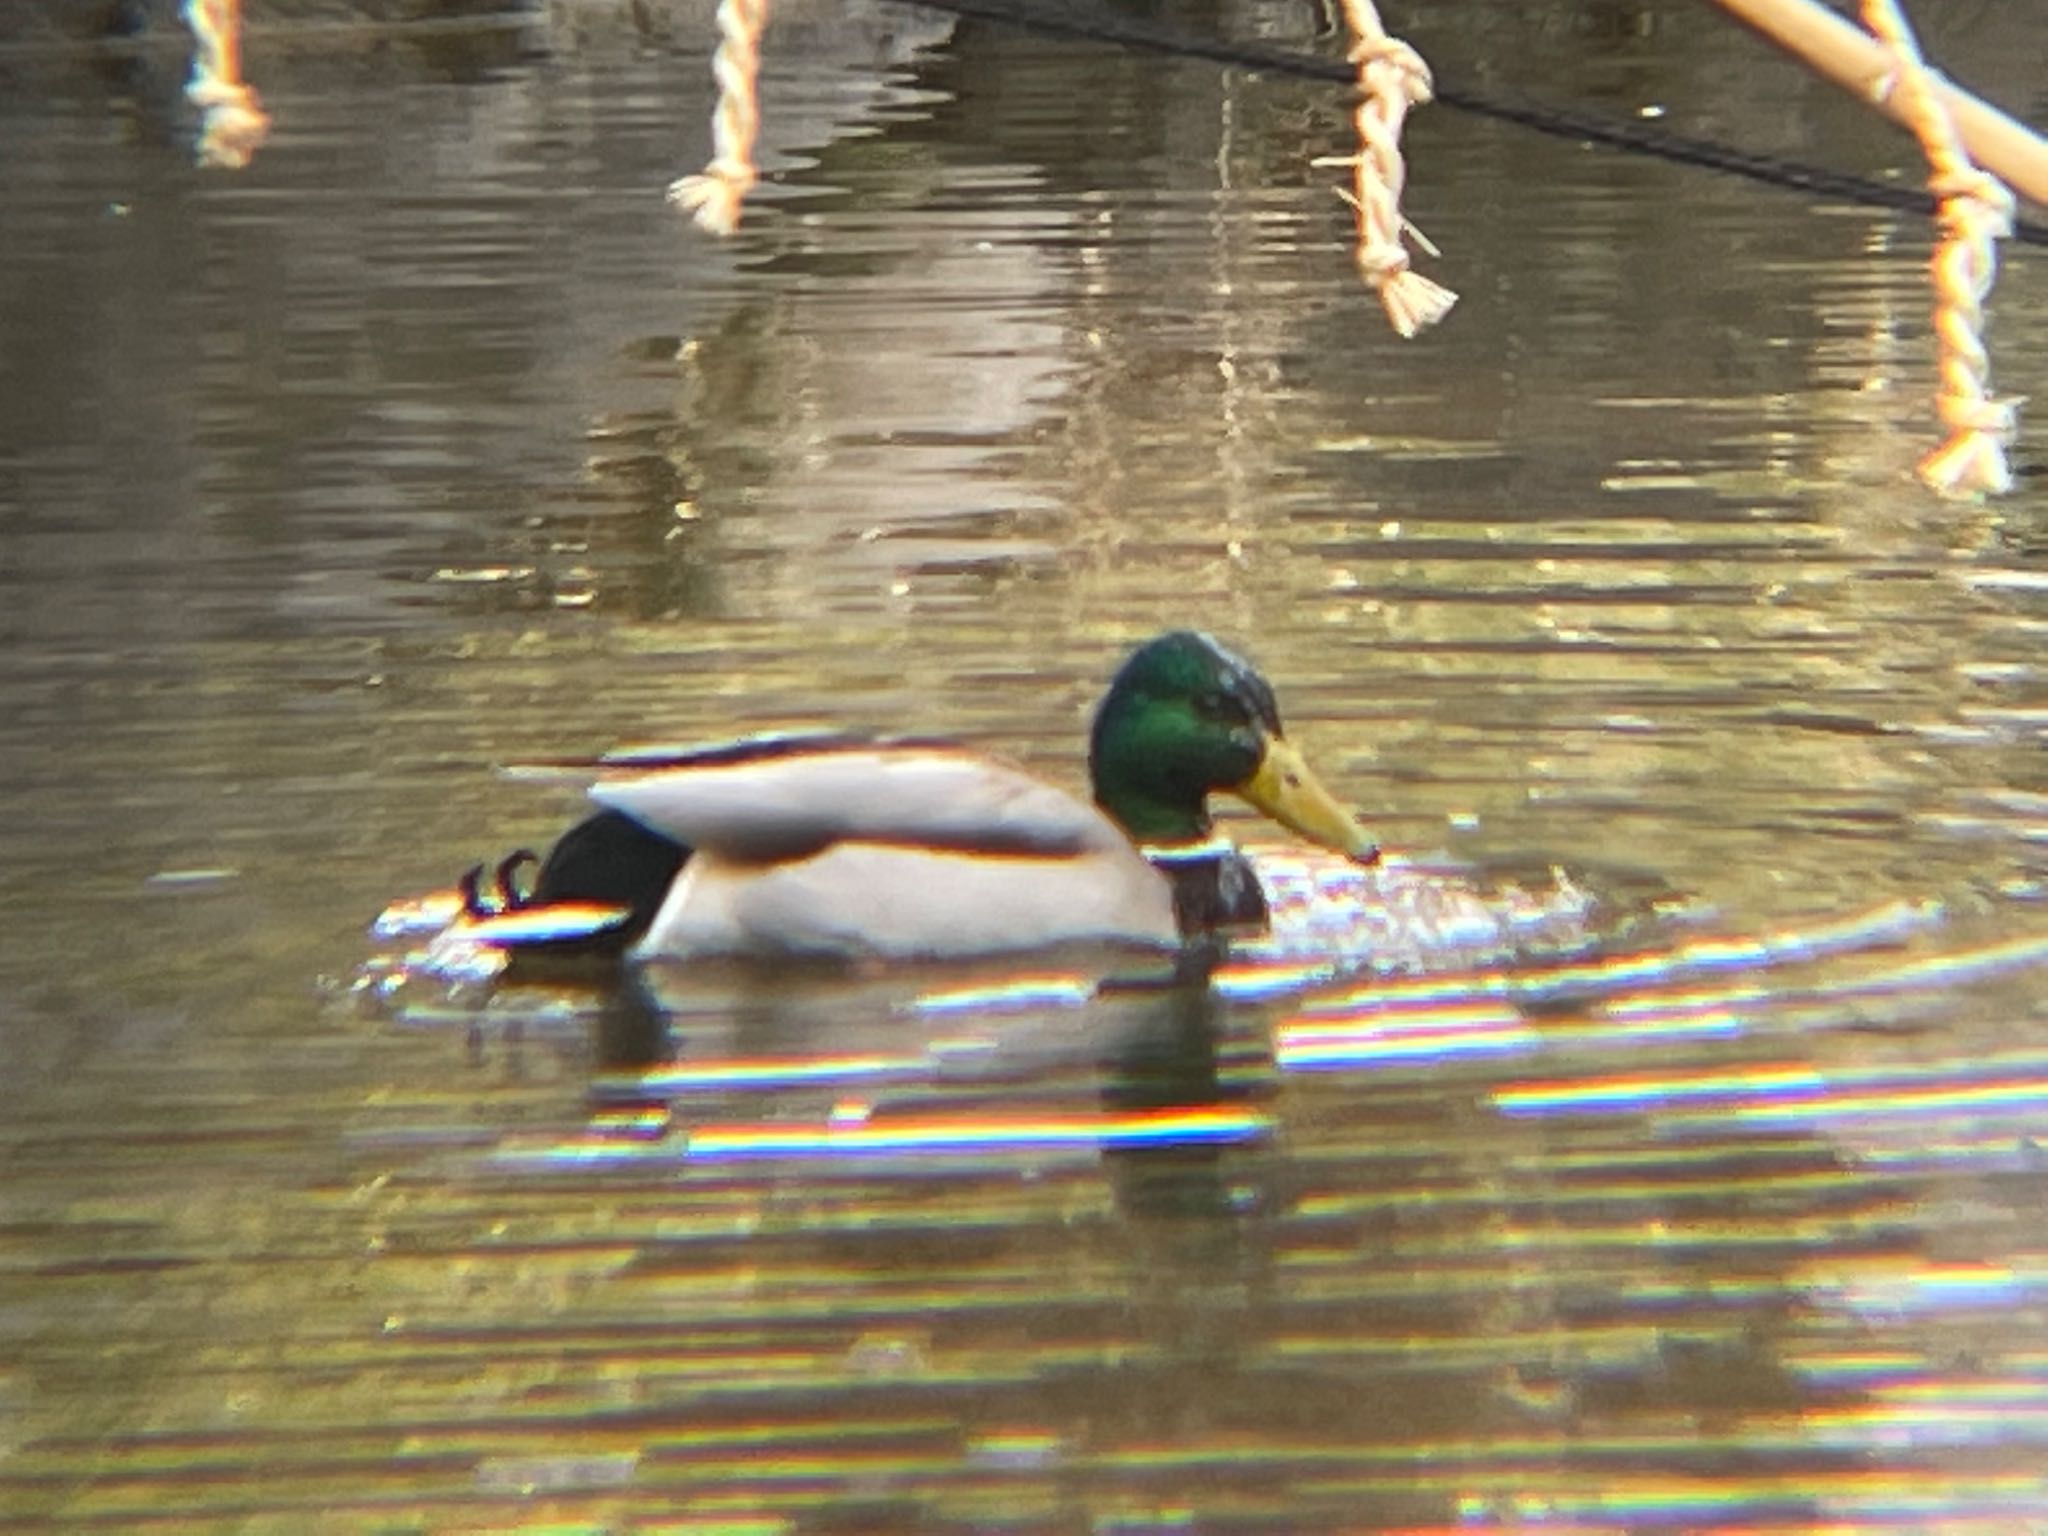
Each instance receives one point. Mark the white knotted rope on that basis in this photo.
(1391, 78)
(235, 124)
(714, 196)
(1976, 212)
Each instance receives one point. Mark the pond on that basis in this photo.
(436, 441)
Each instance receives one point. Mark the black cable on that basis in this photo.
(1096, 25)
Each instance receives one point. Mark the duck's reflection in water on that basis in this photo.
(1110, 1229)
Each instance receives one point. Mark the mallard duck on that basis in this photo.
(901, 848)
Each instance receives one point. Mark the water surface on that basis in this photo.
(435, 440)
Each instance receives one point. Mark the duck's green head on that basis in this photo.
(1185, 718)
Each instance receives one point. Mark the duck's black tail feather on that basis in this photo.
(606, 860)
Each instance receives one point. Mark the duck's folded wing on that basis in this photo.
(792, 805)
(660, 757)
(762, 746)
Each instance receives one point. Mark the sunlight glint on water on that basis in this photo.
(1696, 1189)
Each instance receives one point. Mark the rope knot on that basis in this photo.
(1391, 78)
(1381, 261)
(715, 196)
(1993, 199)
(234, 124)
(1389, 64)
(1976, 210)
(1968, 413)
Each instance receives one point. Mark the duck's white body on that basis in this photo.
(897, 853)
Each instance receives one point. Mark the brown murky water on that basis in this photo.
(434, 440)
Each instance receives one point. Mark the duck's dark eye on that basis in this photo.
(1220, 707)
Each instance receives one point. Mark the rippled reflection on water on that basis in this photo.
(433, 441)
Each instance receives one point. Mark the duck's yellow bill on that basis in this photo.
(1285, 789)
